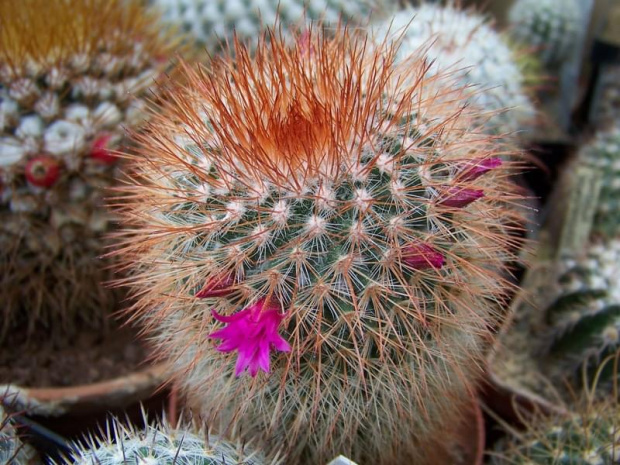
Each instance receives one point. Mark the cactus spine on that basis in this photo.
(160, 444)
(211, 23)
(334, 229)
(465, 45)
(551, 26)
(72, 76)
(12, 450)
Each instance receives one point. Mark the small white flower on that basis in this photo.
(64, 137)
(11, 151)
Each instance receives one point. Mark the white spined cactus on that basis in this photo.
(211, 23)
(466, 44)
(160, 444)
(550, 26)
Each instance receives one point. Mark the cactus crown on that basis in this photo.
(71, 30)
(160, 444)
(325, 193)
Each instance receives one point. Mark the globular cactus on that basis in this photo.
(551, 27)
(73, 76)
(584, 317)
(12, 450)
(160, 444)
(466, 45)
(335, 229)
(211, 23)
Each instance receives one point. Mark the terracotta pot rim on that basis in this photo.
(112, 393)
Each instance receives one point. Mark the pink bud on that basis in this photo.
(473, 169)
(459, 197)
(218, 287)
(422, 256)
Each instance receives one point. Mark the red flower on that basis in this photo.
(459, 197)
(42, 171)
(476, 168)
(422, 256)
(252, 332)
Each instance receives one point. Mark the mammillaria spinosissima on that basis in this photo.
(161, 444)
(73, 76)
(337, 229)
(211, 23)
(552, 27)
(466, 45)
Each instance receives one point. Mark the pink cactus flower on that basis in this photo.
(476, 168)
(459, 197)
(218, 287)
(252, 332)
(422, 256)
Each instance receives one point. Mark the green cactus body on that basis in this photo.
(160, 444)
(12, 450)
(551, 26)
(71, 79)
(346, 226)
(603, 154)
(212, 22)
(585, 316)
(466, 46)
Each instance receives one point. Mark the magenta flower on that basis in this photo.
(252, 332)
(476, 168)
(422, 256)
(459, 197)
(218, 287)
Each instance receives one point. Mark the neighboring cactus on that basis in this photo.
(212, 22)
(603, 155)
(160, 444)
(587, 433)
(12, 450)
(584, 318)
(73, 76)
(552, 27)
(464, 44)
(336, 222)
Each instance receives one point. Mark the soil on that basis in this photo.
(40, 361)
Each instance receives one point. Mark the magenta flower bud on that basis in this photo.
(252, 332)
(476, 168)
(422, 256)
(459, 197)
(218, 287)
